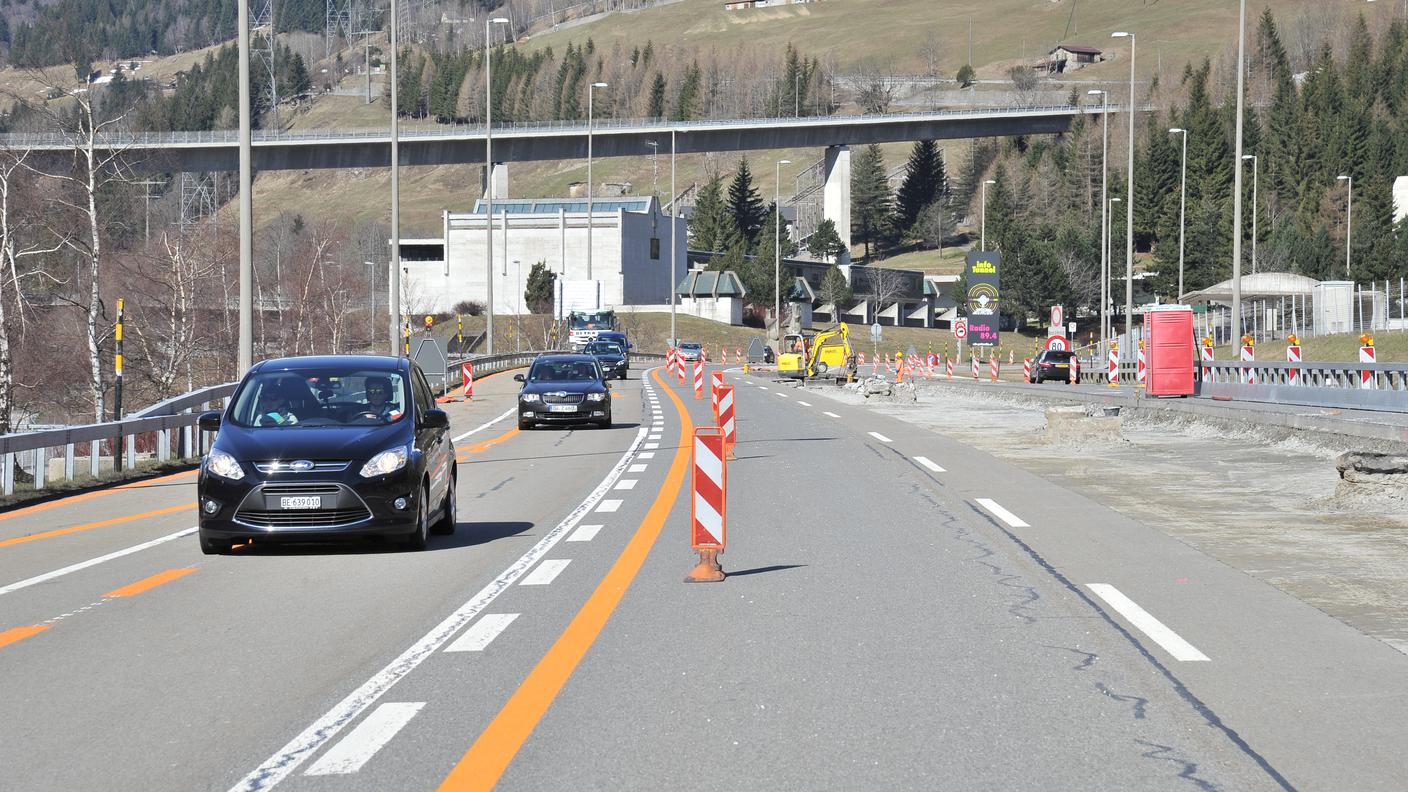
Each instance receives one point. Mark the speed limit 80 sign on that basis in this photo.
(1057, 343)
(960, 329)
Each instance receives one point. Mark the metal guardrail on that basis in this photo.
(165, 431)
(1362, 386)
(58, 140)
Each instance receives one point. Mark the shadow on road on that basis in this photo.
(762, 570)
(467, 534)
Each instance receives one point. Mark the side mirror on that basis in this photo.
(435, 419)
(518, 378)
(209, 421)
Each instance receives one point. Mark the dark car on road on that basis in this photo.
(564, 388)
(1055, 364)
(613, 359)
(322, 447)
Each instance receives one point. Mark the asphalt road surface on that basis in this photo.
(902, 612)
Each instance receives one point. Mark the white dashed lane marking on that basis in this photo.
(480, 634)
(609, 506)
(637, 469)
(546, 572)
(830, 414)
(1000, 513)
(925, 461)
(370, 736)
(651, 446)
(586, 533)
(1171, 641)
(626, 484)
(804, 404)
(880, 437)
(646, 455)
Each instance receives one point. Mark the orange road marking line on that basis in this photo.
(39, 507)
(98, 524)
(147, 584)
(16, 634)
(486, 760)
(485, 445)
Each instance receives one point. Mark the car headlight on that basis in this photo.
(223, 465)
(388, 461)
(596, 397)
(528, 397)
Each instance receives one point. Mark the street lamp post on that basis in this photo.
(394, 283)
(246, 300)
(777, 245)
(1237, 177)
(1252, 157)
(590, 90)
(983, 217)
(1348, 220)
(1129, 194)
(488, 181)
(674, 221)
(1109, 250)
(1104, 214)
(1182, 206)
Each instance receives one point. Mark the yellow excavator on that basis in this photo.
(826, 354)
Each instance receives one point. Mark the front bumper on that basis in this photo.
(251, 507)
(537, 412)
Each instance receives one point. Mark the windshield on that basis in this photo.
(320, 397)
(689, 346)
(603, 320)
(564, 371)
(603, 348)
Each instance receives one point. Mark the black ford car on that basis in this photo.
(321, 447)
(611, 356)
(563, 388)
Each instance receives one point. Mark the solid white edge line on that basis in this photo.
(370, 736)
(288, 758)
(1000, 513)
(58, 573)
(585, 533)
(546, 572)
(928, 463)
(483, 426)
(880, 437)
(483, 632)
(1171, 641)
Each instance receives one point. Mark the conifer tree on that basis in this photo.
(925, 180)
(744, 206)
(871, 200)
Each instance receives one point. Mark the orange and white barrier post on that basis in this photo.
(1207, 356)
(1011, 357)
(1075, 371)
(860, 358)
(738, 353)
(993, 363)
(948, 367)
(975, 366)
(1366, 355)
(1248, 356)
(716, 381)
(723, 355)
(1026, 369)
(698, 379)
(1141, 373)
(670, 354)
(467, 377)
(1293, 356)
(708, 510)
(680, 367)
(1114, 365)
(725, 420)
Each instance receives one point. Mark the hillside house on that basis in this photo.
(740, 5)
(1070, 56)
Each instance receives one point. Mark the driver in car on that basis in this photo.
(379, 404)
(274, 408)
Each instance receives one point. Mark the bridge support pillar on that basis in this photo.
(836, 195)
(499, 180)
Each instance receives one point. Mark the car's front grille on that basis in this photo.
(301, 489)
(321, 466)
(303, 518)
(570, 398)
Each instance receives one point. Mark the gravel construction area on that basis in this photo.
(1266, 500)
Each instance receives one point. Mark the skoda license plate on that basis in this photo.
(312, 502)
(562, 408)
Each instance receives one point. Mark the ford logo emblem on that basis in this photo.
(301, 466)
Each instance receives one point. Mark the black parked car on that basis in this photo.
(1055, 364)
(611, 356)
(319, 447)
(564, 388)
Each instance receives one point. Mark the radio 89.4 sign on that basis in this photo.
(984, 297)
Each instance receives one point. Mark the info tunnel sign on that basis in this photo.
(984, 293)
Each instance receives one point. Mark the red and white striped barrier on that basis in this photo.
(723, 355)
(698, 379)
(716, 381)
(1141, 371)
(975, 367)
(860, 358)
(467, 376)
(708, 510)
(1114, 366)
(993, 363)
(1026, 369)
(738, 354)
(1075, 371)
(1249, 356)
(889, 366)
(1293, 356)
(948, 367)
(1366, 377)
(680, 364)
(725, 420)
(1207, 358)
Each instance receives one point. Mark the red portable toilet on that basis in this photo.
(1171, 350)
